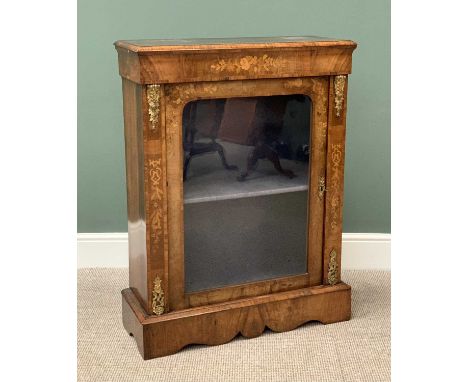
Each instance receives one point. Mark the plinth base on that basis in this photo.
(216, 324)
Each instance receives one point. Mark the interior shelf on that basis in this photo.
(208, 180)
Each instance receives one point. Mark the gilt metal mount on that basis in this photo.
(332, 269)
(153, 95)
(321, 187)
(158, 297)
(339, 82)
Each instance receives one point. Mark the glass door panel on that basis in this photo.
(246, 179)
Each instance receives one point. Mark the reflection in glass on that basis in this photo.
(246, 166)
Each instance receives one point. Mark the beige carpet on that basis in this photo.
(357, 350)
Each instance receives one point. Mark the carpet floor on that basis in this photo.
(356, 350)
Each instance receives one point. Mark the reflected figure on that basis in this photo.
(257, 122)
(266, 146)
(193, 148)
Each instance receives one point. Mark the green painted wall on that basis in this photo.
(101, 173)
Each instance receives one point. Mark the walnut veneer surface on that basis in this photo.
(164, 61)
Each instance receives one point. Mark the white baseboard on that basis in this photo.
(366, 251)
(103, 250)
(109, 250)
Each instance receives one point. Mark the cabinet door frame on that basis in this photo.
(176, 97)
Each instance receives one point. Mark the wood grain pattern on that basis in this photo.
(229, 43)
(133, 126)
(163, 64)
(258, 288)
(158, 336)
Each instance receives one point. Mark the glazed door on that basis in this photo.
(246, 173)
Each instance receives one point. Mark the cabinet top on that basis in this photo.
(219, 59)
(206, 44)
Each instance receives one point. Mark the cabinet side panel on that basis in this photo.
(135, 189)
(129, 65)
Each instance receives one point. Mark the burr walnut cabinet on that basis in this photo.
(234, 158)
